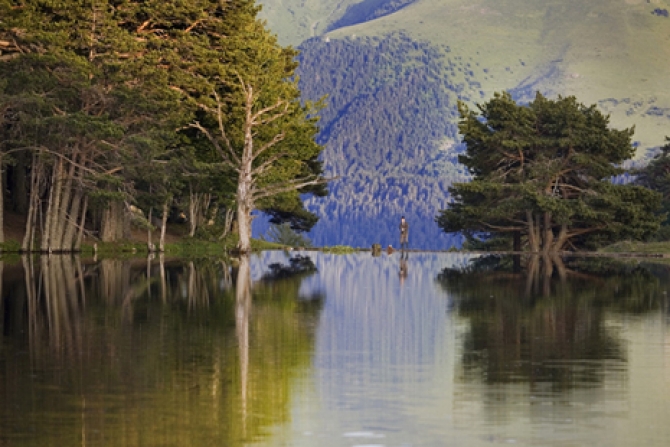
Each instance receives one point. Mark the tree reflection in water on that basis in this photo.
(175, 352)
(545, 323)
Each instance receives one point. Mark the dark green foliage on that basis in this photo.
(541, 173)
(110, 87)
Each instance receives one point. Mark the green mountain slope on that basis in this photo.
(611, 52)
(407, 63)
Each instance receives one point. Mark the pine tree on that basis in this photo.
(541, 177)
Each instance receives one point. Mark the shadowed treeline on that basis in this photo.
(155, 352)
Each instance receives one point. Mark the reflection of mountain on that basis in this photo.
(379, 343)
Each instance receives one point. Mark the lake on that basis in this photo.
(318, 349)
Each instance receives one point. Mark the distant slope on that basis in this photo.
(387, 167)
(600, 50)
(393, 71)
(368, 10)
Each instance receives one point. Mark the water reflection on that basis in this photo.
(153, 352)
(320, 349)
(546, 325)
(402, 272)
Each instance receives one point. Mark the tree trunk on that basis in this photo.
(48, 218)
(161, 245)
(516, 243)
(561, 239)
(113, 217)
(33, 205)
(193, 212)
(227, 223)
(106, 224)
(533, 233)
(548, 241)
(62, 211)
(2, 202)
(150, 243)
(244, 227)
(245, 205)
(560, 267)
(72, 220)
(82, 222)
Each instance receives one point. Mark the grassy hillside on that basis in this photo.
(611, 52)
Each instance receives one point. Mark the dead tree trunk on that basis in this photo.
(60, 211)
(150, 243)
(227, 223)
(194, 211)
(45, 244)
(2, 202)
(33, 206)
(82, 222)
(161, 245)
(242, 161)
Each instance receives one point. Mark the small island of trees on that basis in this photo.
(542, 179)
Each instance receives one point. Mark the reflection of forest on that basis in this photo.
(543, 321)
(123, 352)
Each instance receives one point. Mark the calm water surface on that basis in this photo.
(335, 350)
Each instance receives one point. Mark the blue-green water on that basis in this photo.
(422, 350)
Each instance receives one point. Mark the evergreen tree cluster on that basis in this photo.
(542, 178)
(108, 108)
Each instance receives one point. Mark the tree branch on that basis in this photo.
(233, 162)
(260, 169)
(291, 185)
(274, 117)
(572, 234)
(502, 229)
(279, 137)
(190, 28)
(222, 130)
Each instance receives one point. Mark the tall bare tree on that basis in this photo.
(258, 165)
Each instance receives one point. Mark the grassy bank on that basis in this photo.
(187, 247)
(661, 248)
